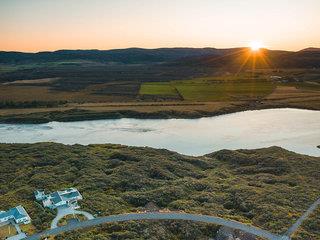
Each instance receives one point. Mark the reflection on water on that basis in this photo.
(293, 129)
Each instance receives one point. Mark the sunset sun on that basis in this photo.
(255, 46)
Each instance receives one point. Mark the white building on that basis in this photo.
(18, 214)
(68, 197)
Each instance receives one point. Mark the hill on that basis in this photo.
(268, 188)
(244, 59)
(310, 49)
(130, 55)
(306, 58)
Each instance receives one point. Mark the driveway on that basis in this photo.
(64, 211)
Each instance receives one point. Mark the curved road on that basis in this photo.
(160, 216)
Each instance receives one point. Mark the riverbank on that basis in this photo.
(156, 110)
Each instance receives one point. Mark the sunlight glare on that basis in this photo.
(255, 46)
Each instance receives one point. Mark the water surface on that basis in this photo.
(293, 129)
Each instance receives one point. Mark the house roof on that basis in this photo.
(67, 195)
(21, 212)
(17, 213)
(70, 195)
(55, 197)
(39, 191)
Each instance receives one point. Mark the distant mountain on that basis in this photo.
(244, 58)
(231, 58)
(130, 55)
(310, 49)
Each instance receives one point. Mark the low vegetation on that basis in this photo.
(269, 188)
(310, 228)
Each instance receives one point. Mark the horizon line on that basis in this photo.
(145, 48)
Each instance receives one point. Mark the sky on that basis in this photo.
(46, 25)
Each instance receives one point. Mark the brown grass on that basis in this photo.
(286, 92)
(7, 231)
(44, 93)
(291, 96)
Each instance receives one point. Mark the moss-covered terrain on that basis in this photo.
(269, 188)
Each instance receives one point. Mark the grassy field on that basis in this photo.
(224, 91)
(120, 84)
(130, 91)
(269, 188)
(158, 88)
(282, 97)
(93, 93)
(211, 89)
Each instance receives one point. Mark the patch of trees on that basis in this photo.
(31, 104)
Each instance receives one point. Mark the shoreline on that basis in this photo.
(73, 115)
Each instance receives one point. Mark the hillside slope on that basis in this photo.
(268, 188)
(129, 55)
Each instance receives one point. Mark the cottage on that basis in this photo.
(68, 197)
(18, 214)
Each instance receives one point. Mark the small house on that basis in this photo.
(18, 214)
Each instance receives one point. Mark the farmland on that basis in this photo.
(42, 100)
(210, 90)
(88, 89)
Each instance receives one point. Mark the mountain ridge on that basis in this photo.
(209, 57)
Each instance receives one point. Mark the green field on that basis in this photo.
(158, 88)
(210, 89)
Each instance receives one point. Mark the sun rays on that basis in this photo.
(256, 55)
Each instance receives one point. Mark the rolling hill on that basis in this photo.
(213, 57)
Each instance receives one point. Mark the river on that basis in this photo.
(293, 129)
